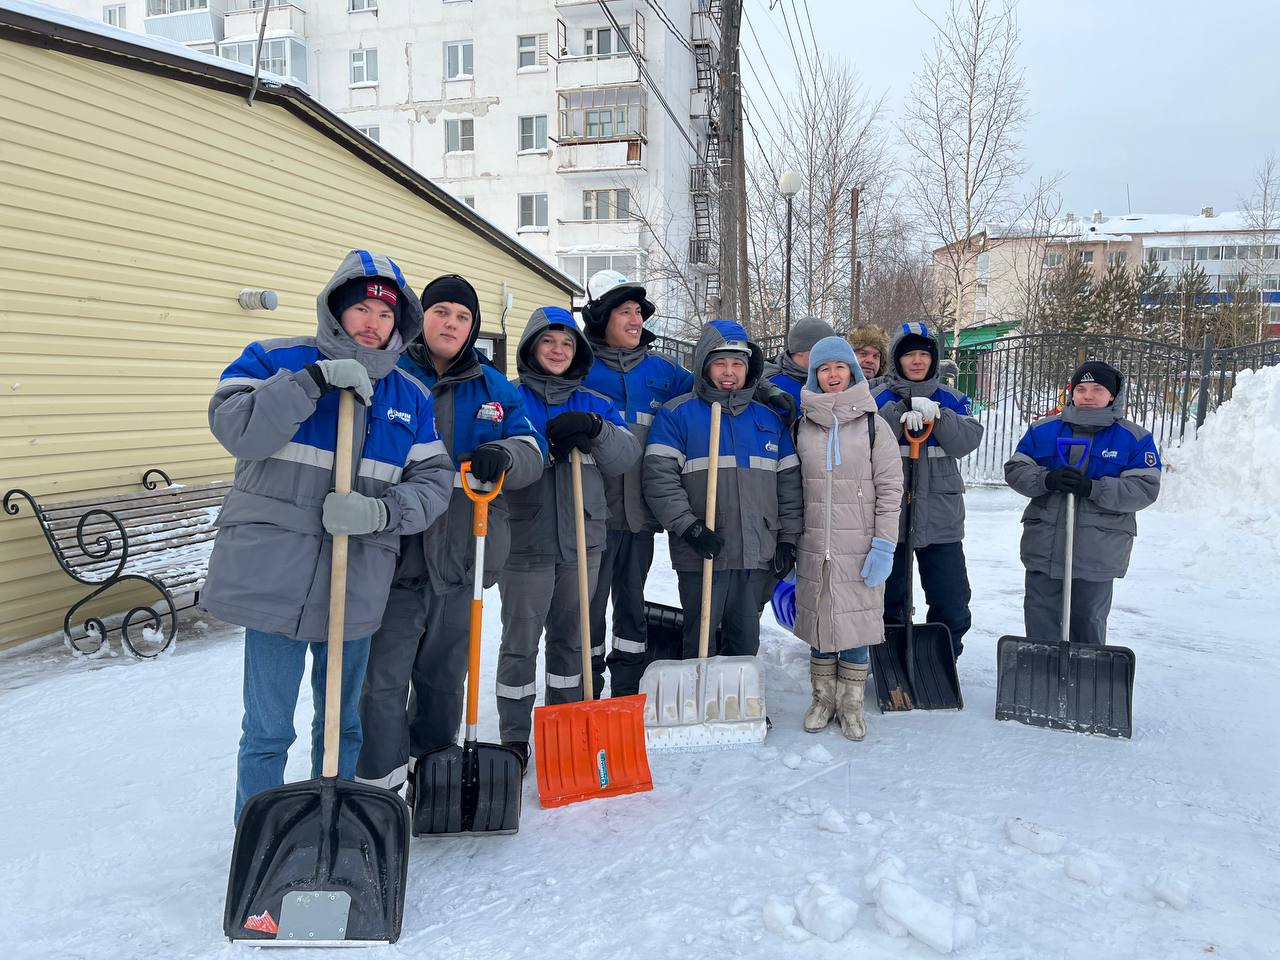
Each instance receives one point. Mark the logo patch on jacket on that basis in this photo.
(771, 447)
(491, 411)
(1149, 458)
(402, 415)
(1109, 454)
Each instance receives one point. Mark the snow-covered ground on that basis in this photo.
(939, 832)
(116, 835)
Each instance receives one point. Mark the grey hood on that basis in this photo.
(714, 336)
(783, 363)
(334, 342)
(553, 390)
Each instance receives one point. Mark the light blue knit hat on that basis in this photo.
(826, 350)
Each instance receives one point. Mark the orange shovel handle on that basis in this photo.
(481, 498)
(916, 440)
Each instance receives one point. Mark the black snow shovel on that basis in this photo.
(473, 788)
(1060, 684)
(322, 862)
(915, 667)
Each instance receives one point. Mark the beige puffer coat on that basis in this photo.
(851, 494)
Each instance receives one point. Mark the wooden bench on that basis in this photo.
(160, 537)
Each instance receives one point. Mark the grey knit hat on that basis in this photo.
(806, 333)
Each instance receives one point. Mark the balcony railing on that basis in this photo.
(191, 26)
(244, 18)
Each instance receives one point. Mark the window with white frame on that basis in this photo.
(580, 268)
(458, 60)
(364, 66)
(113, 15)
(460, 135)
(1052, 259)
(1086, 256)
(1158, 254)
(1117, 257)
(282, 56)
(533, 211)
(605, 42)
(606, 204)
(357, 6)
(533, 132)
(372, 131)
(158, 8)
(531, 50)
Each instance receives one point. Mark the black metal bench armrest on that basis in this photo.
(99, 548)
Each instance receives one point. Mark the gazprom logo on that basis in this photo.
(771, 447)
(401, 415)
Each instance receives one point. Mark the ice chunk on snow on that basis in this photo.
(780, 918)
(791, 761)
(767, 754)
(824, 912)
(885, 866)
(967, 890)
(1033, 836)
(1171, 889)
(799, 805)
(928, 921)
(863, 818)
(889, 925)
(818, 754)
(832, 821)
(738, 907)
(1083, 869)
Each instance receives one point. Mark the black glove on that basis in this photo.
(774, 396)
(489, 462)
(1068, 480)
(573, 429)
(784, 559)
(708, 543)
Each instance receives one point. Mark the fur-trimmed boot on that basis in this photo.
(822, 674)
(851, 690)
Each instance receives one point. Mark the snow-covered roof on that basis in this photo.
(1124, 227)
(54, 15)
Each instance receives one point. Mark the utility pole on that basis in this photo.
(855, 274)
(730, 148)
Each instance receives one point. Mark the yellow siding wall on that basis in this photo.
(133, 209)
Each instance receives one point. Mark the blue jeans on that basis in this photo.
(273, 665)
(852, 655)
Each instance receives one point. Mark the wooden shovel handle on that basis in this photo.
(584, 581)
(708, 566)
(337, 590)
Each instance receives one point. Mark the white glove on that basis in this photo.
(913, 420)
(928, 409)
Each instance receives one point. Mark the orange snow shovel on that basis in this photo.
(594, 748)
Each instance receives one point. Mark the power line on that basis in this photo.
(671, 27)
(800, 70)
(763, 56)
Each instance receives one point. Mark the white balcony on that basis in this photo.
(244, 18)
(189, 26)
(599, 234)
(699, 104)
(612, 157)
(596, 71)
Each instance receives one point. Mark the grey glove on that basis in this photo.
(341, 374)
(353, 514)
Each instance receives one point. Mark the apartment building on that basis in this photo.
(581, 128)
(1226, 245)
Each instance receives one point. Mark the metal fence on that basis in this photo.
(1169, 388)
(682, 350)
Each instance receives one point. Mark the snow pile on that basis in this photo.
(903, 907)
(1230, 467)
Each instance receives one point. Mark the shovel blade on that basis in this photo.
(711, 701)
(332, 849)
(589, 750)
(1065, 686)
(920, 675)
(460, 790)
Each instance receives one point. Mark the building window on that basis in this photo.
(372, 131)
(533, 210)
(609, 113)
(458, 61)
(158, 8)
(364, 66)
(531, 50)
(1117, 257)
(604, 42)
(1158, 254)
(460, 135)
(1086, 256)
(580, 268)
(113, 15)
(470, 201)
(533, 132)
(1052, 259)
(356, 6)
(606, 204)
(282, 56)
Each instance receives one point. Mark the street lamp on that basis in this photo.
(789, 185)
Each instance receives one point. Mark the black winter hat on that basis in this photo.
(1099, 372)
(452, 288)
(358, 289)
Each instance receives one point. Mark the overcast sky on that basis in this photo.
(1178, 98)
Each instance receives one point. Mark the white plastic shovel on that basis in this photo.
(710, 701)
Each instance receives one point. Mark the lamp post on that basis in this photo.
(789, 185)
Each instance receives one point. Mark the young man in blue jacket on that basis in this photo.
(909, 395)
(421, 651)
(759, 501)
(1120, 477)
(789, 371)
(540, 583)
(276, 410)
(639, 381)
